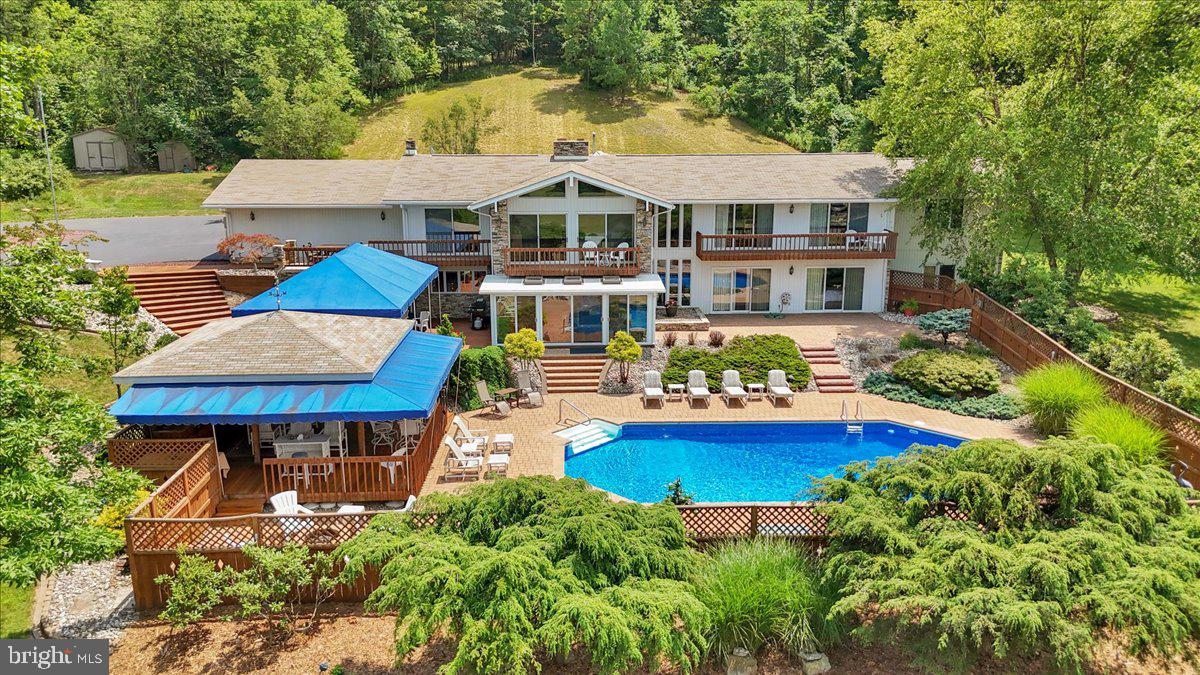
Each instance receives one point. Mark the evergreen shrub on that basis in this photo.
(951, 374)
(996, 406)
(751, 355)
(474, 364)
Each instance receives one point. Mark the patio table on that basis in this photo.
(755, 390)
(676, 391)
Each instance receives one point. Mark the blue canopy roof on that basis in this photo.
(406, 386)
(357, 280)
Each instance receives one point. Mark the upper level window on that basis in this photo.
(838, 217)
(745, 218)
(451, 224)
(546, 230)
(675, 227)
(606, 230)
(558, 189)
(589, 190)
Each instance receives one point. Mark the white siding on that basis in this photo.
(911, 256)
(874, 282)
(319, 226)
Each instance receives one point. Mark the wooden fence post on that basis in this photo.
(754, 520)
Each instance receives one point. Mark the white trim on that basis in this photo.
(792, 200)
(209, 205)
(530, 187)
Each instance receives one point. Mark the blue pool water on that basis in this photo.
(736, 462)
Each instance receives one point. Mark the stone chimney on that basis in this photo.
(410, 147)
(567, 150)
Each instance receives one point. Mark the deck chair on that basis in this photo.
(499, 407)
(697, 387)
(459, 463)
(408, 505)
(590, 255)
(422, 320)
(476, 436)
(619, 256)
(287, 503)
(464, 449)
(732, 389)
(777, 387)
(383, 433)
(531, 394)
(652, 389)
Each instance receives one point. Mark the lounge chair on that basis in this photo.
(465, 449)
(528, 392)
(731, 387)
(500, 408)
(652, 389)
(288, 503)
(476, 436)
(777, 387)
(459, 463)
(697, 387)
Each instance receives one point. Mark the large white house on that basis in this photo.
(579, 245)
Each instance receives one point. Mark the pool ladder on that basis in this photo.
(854, 426)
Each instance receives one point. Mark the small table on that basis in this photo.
(676, 391)
(508, 393)
(503, 442)
(755, 390)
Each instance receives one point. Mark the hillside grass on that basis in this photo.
(534, 106)
(16, 605)
(72, 377)
(119, 194)
(1155, 300)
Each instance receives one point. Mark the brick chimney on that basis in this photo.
(410, 147)
(568, 150)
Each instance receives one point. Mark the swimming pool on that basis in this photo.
(736, 461)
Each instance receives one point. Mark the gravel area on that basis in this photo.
(863, 356)
(96, 322)
(896, 317)
(90, 600)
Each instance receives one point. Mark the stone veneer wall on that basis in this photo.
(643, 235)
(500, 236)
(457, 305)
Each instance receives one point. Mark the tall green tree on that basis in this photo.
(460, 129)
(20, 69)
(1068, 124)
(382, 37)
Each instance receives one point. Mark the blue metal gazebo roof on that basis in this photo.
(357, 280)
(406, 386)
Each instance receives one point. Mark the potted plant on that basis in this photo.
(672, 307)
(909, 307)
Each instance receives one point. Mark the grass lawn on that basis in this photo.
(73, 378)
(534, 106)
(114, 195)
(16, 603)
(1159, 301)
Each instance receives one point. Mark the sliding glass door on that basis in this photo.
(834, 289)
(741, 289)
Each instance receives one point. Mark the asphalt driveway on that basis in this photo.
(151, 239)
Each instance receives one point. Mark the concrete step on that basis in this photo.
(572, 390)
(836, 390)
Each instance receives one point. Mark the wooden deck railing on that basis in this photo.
(442, 252)
(1022, 346)
(131, 449)
(559, 262)
(193, 491)
(306, 256)
(825, 246)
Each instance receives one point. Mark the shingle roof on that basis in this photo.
(304, 182)
(275, 346)
(562, 170)
(470, 178)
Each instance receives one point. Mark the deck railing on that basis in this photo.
(824, 246)
(443, 252)
(130, 448)
(193, 491)
(560, 262)
(306, 256)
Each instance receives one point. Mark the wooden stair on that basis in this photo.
(184, 301)
(240, 506)
(832, 380)
(573, 373)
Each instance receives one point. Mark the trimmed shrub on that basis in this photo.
(1055, 392)
(938, 373)
(945, 322)
(1145, 360)
(764, 592)
(24, 173)
(1079, 330)
(1183, 390)
(996, 406)
(751, 355)
(1114, 423)
(624, 350)
(474, 364)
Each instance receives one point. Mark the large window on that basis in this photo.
(451, 224)
(589, 190)
(547, 230)
(629, 313)
(514, 313)
(741, 290)
(834, 288)
(675, 227)
(558, 189)
(556, 318)
(838, 217)
(745, 218)
(606, 230)
(588, 318)
(676, 276)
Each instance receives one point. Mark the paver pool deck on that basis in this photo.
(539, 452)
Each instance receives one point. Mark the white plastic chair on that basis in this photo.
(697, 387)
(731, 387)
(652, 389)
(476, 436)
(287, 503)
(590, 254)
(777, 386)
(423, 321)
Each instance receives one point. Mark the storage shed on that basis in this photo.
(175, 156)
(100, 149)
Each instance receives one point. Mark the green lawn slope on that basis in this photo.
(534, 106)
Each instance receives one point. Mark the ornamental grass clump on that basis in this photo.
(1050, 546)
(535, 566)
(1114, 423)
(764, 592)
(1055, 392)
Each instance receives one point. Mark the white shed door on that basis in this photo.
(101, 155)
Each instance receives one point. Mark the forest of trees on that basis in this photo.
(1067, 124)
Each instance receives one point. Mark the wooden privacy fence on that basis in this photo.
(193, 491)
(130, 448)
(1021, 345)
